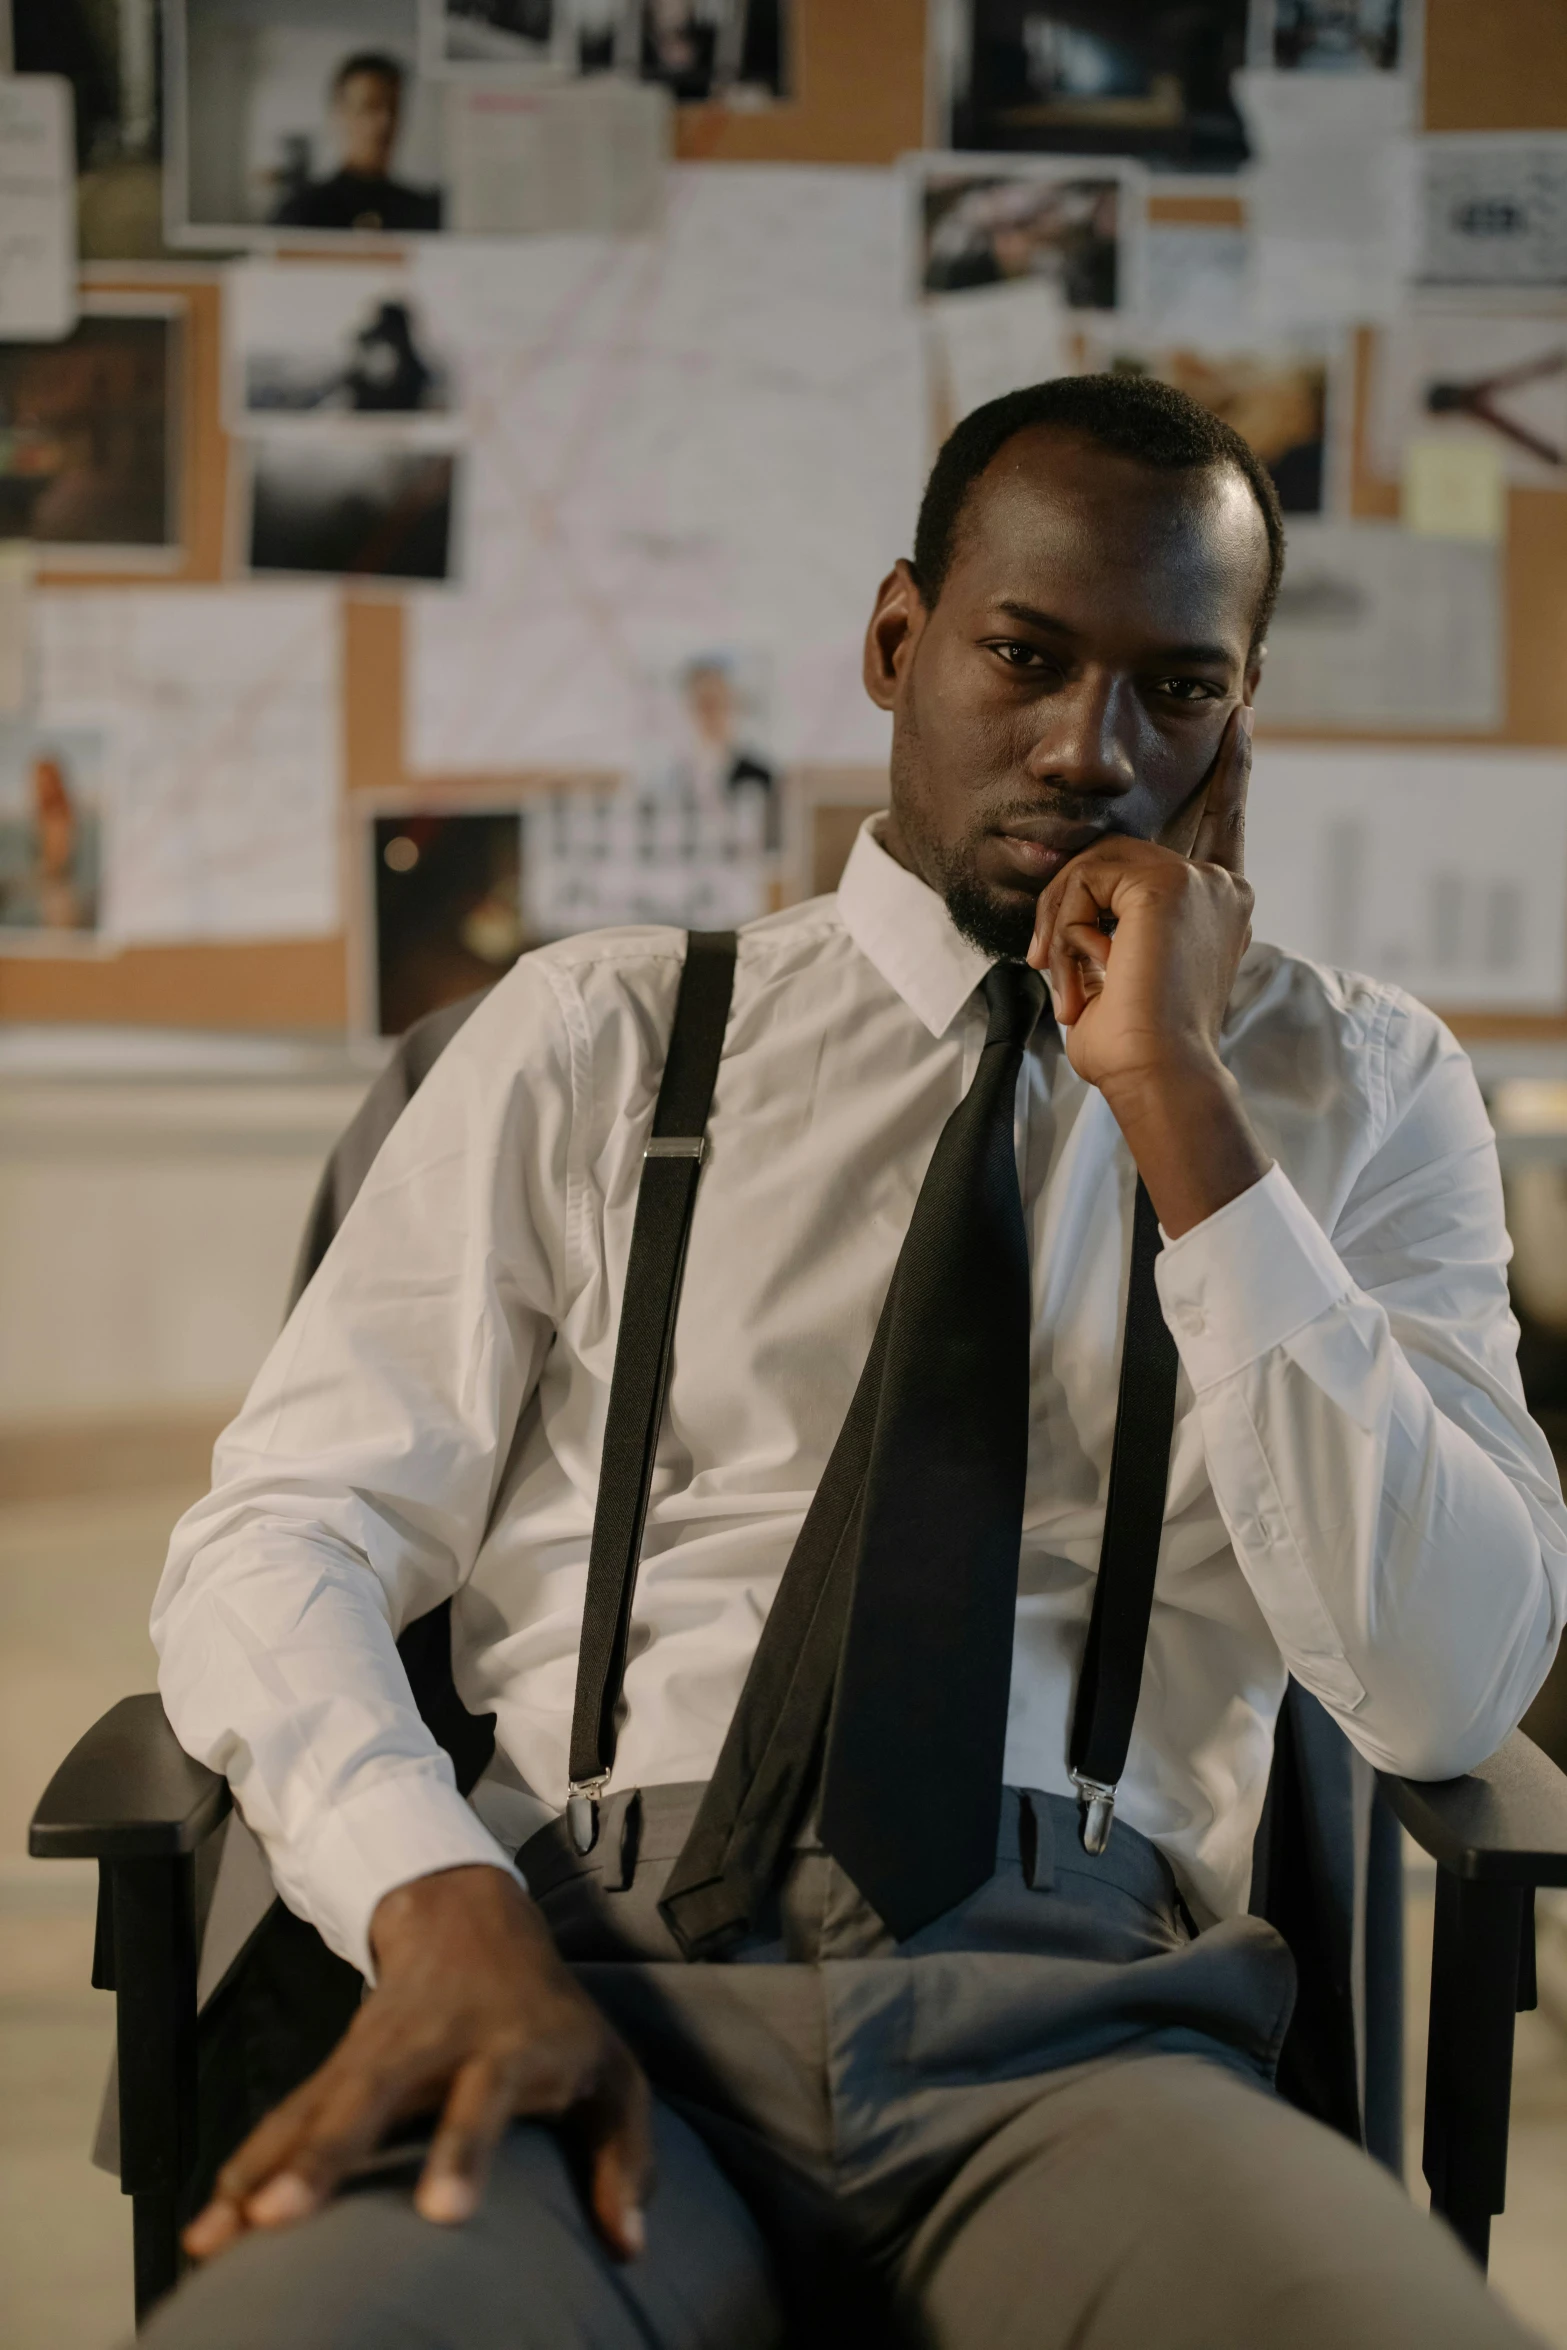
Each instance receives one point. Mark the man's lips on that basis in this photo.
(1038, 847)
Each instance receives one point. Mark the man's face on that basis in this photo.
(711, 704)
(367, 111)
(1074, 677)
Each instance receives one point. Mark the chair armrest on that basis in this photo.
(128, 1791)
(1503, 1824)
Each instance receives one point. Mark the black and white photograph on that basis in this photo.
(1493, 208)
(294, 119)
(1335, 36)
(460, 36)
(330, 502)
(1145, 78)
(441, 896)
(51, 838)
(89, 435)
(693, 835)
(346, 342)
(732, 51)
(1022, 221)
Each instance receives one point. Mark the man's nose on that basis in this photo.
(1087, 736)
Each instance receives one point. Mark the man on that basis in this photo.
(367, 105)
(1038, 2112)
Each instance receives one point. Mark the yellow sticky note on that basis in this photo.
(1454, 487)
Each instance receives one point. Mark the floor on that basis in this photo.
(75, 1579)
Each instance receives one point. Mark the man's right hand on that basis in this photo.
(474, 2016)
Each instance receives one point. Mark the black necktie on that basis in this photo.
(891, 1635)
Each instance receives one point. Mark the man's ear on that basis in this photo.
(896, 626)
(1254, 661)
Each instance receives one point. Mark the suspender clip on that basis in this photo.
(1095, 1812)
(582, 1811)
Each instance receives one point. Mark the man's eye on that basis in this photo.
(1189, 689)
(1016, 655)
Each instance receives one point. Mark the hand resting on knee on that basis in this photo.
(474, 2017)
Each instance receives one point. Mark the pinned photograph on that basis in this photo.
(730, 51)
(1021, 221)
(1147, 78)
(110, 58)
(1479, 377)
(89, 436)
(692, 837)
(442, 890)
(459, 35)
(1276, 398)
(300, 117)
(51, 838)
(342, 342)
(354, 508)
(1334, 36)
(1493, 208)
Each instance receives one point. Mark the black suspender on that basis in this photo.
(640, 1379)
(1139, 1465)
(1129, 1547)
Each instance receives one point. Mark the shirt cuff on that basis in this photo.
(399, 1828)
(1245, 1280)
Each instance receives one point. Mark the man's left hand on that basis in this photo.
(1141, 945)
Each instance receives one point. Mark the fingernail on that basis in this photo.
(280, 2202)
(1248, 716)
(446, 2200)
(210, 2229)
(633, 2228)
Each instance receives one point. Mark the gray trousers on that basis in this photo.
(1045, 2121)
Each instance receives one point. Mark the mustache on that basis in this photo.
(1072, 807)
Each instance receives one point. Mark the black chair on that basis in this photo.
(1328, 1875)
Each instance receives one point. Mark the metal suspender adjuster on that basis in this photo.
(677, 1146)
(1095, 1812)
(582, 1811)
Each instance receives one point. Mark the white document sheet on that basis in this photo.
(1493, 208)
(1332, 196)
(994, 341)
(539, 158)
(1443, 870)
(220, 709)
(1474, 374)
(1376, 627)
(37, 208)
(713, 434)
(1197, 283)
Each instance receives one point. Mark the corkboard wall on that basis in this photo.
(859, 70)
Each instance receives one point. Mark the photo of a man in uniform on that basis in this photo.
(367, 101)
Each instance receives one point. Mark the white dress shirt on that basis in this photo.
(1356, 1495)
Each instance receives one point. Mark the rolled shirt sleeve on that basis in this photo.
(1393, 1508)
(352, 1492)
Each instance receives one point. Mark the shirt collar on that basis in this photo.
(903, 930)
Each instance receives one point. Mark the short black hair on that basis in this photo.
(1132, 415)
(378, 61)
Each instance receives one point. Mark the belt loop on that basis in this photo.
(620, 1834)
(1036, 1841)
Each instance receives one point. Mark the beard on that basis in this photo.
(999, 922)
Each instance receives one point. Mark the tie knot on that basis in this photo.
(1013, 997)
